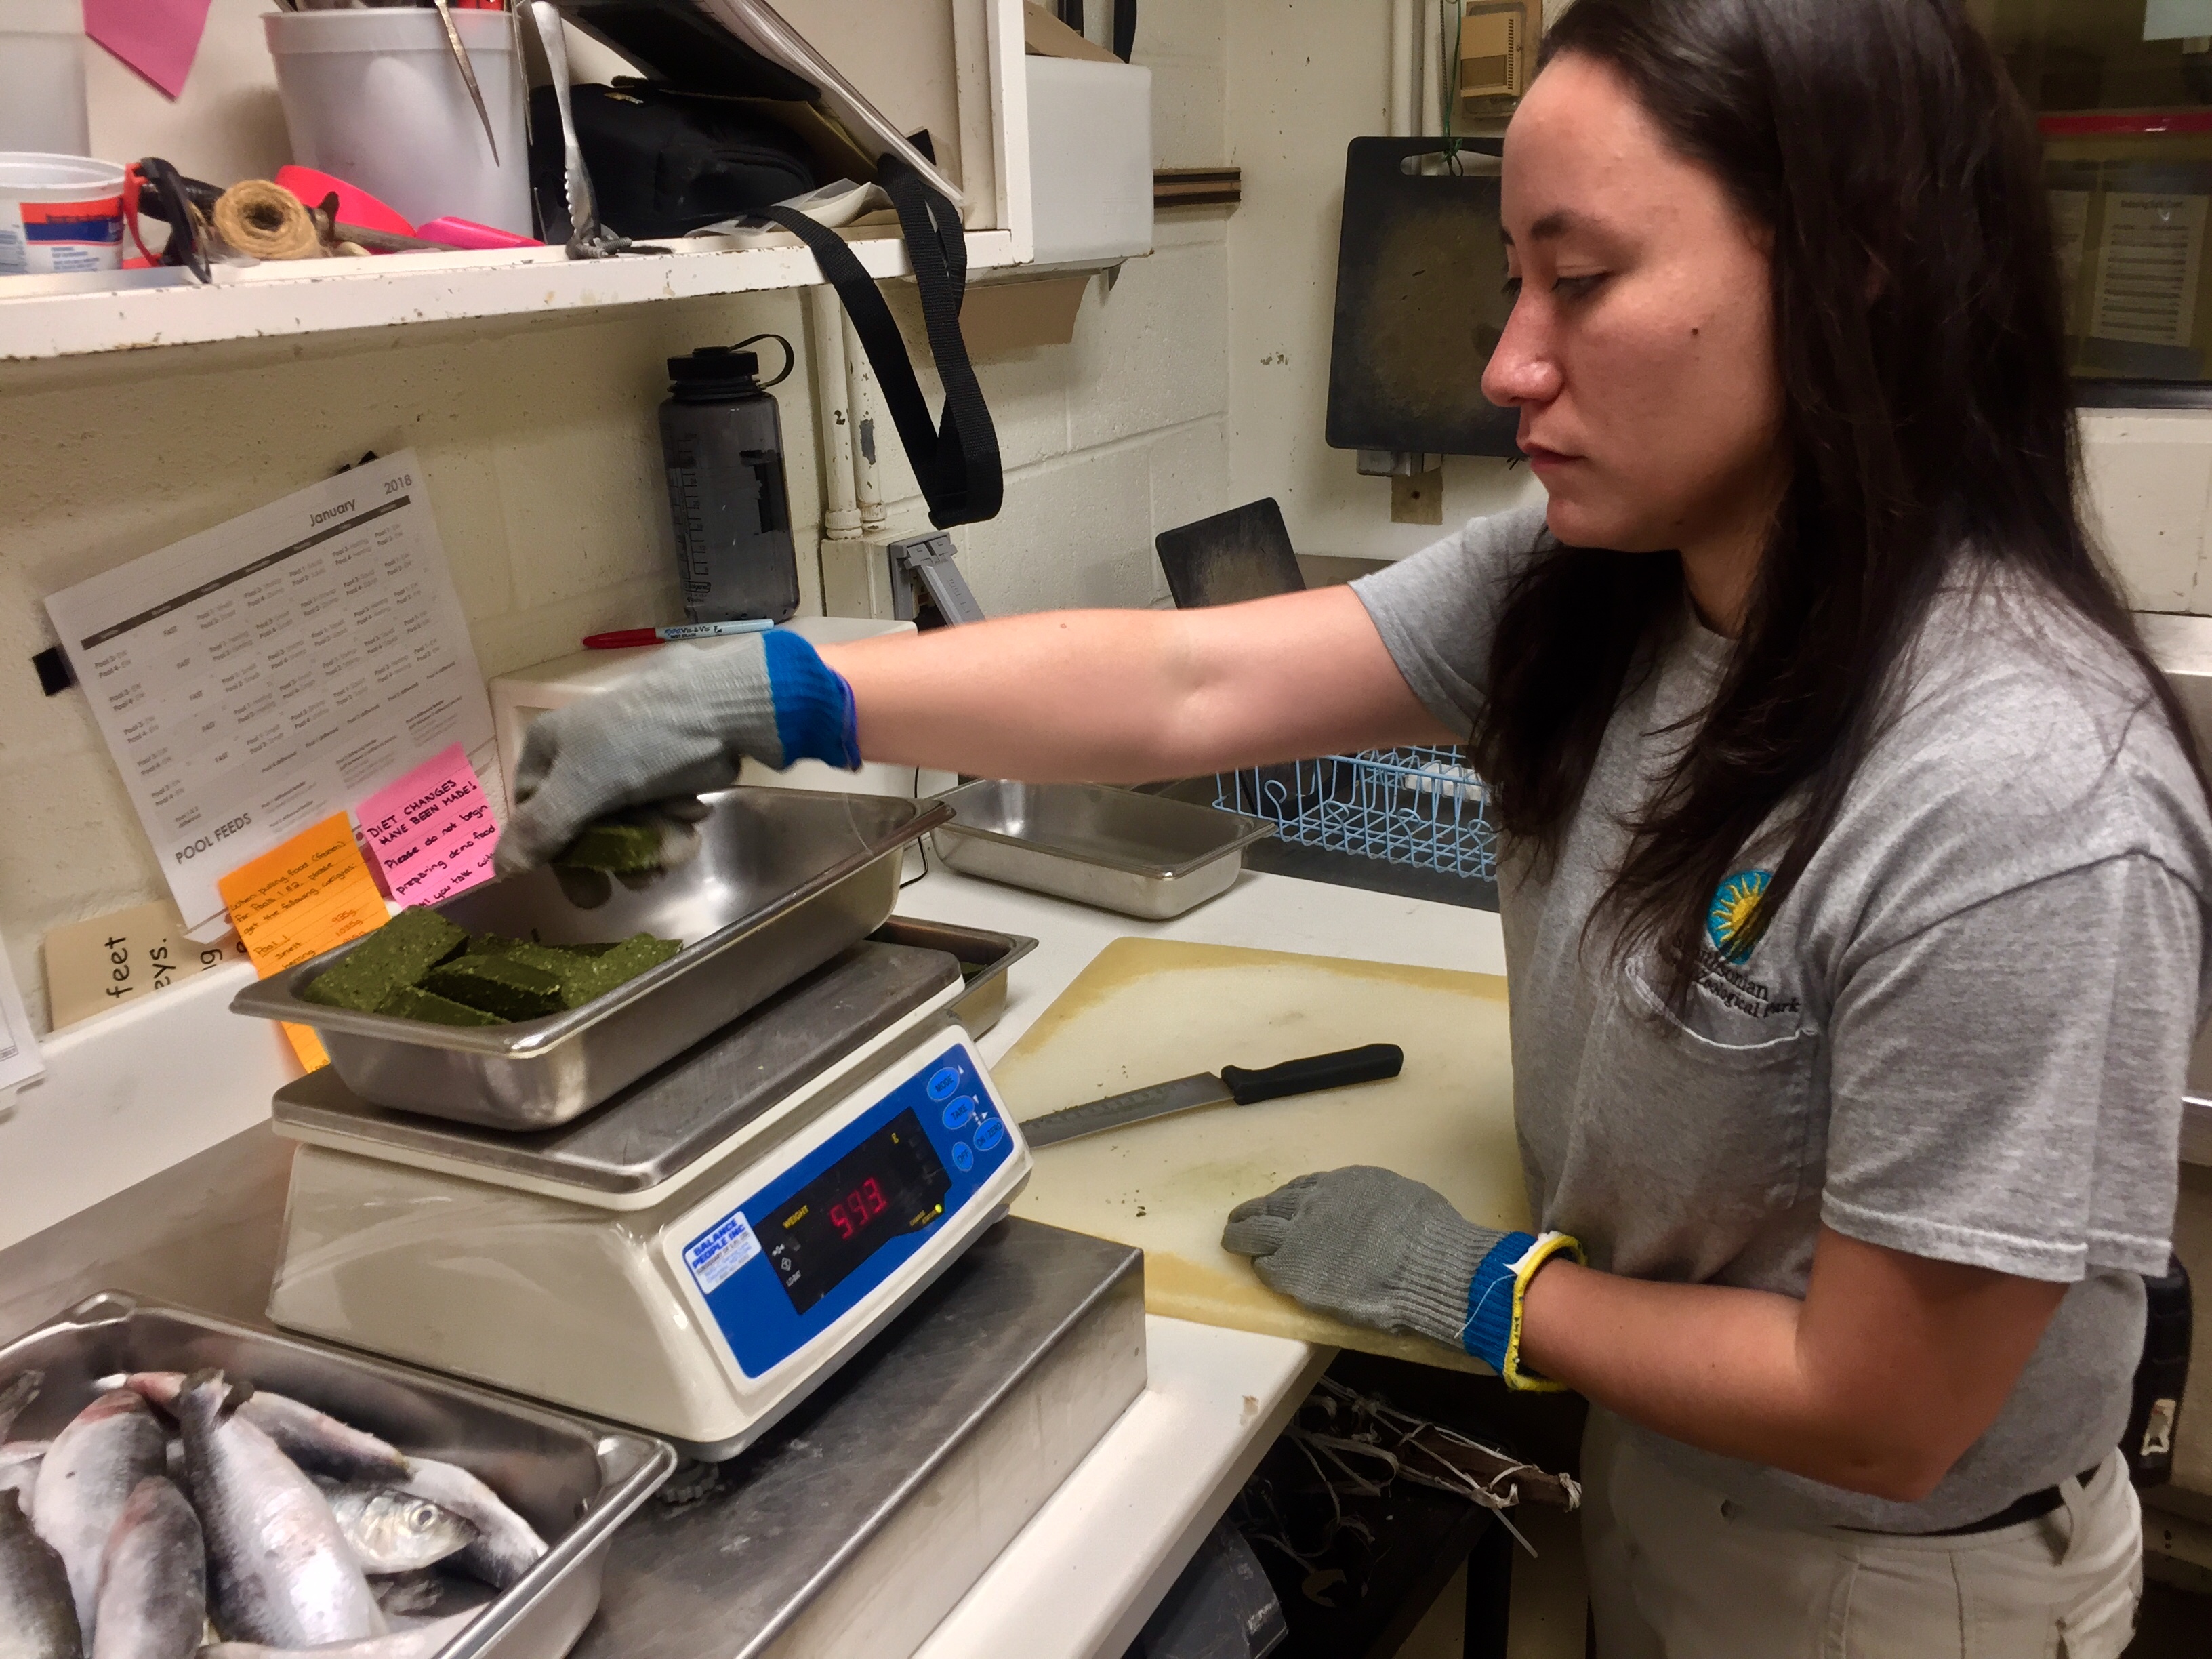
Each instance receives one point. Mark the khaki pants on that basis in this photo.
(1677, 1571)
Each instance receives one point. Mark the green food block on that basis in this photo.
(580, 976)
(633, 956)
(413, 1002)
(498, 985)
(617, 848)
(398, 953)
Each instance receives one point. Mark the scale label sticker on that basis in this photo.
(720, 1251)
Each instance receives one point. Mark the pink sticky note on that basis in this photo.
(431, 834)
(157, 37)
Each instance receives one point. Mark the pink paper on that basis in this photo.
(431, 834)
(157, 37)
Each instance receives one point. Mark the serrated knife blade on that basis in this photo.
(1232, 1084)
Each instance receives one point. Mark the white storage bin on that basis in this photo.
(374, 97)
(1090, 160)
(42, 77)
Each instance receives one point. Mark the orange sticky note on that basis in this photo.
(297, 901)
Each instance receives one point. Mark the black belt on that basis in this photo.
(2034, 1507)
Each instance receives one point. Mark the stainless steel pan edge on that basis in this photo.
(1232, 843)
(536, 1074)
(984, 1000)
(278, 997)
(588, 1475)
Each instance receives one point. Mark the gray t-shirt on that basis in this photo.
(1962, 1035)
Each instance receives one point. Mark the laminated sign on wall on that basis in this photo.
(2152, 254)
(257, 678)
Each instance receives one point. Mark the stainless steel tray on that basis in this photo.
(1142, 855)
(784, 879)
(984, 957)
(574, 1480)
(659, 1126)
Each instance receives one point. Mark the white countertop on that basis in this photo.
(1078, 1582)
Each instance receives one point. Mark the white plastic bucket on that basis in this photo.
(374, 97)
(42, 77)
(59, 213)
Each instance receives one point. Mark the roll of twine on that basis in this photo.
(266, 221)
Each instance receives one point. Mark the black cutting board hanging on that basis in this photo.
(1420, 299)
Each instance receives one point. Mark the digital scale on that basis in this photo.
(695, 1255)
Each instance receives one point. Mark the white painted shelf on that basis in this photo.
(953, 69)
(71, 317)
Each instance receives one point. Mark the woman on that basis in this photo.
(1855, 860)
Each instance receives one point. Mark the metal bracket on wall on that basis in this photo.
(924, 579)
(1394, 463)
(1416, 483)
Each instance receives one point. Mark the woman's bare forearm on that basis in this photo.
(1126, 697)
(1877, 1382)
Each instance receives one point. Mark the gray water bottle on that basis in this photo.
(723, 445)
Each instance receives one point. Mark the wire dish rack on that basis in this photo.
(1417, 806)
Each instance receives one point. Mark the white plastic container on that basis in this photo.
(374, 97)
(1091, 159)
(42, 77)
(59, 213)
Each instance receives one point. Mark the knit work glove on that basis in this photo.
(1375, 1248)
(671, 731)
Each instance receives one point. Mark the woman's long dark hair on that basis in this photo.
(1920, 345)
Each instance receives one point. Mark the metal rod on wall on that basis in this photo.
(825, 331)
(864, 409)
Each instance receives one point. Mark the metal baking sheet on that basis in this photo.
(784, 879)
(1141, 856)
(573, 1479)
(654, 1130)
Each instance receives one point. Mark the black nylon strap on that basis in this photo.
(955, 461)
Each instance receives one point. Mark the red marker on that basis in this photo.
(628, 636)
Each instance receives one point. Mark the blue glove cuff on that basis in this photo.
(1493, 1332)
(815, 719)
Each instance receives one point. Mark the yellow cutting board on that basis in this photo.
(1148, 1010)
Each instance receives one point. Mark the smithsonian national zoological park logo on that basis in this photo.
(1731, 912)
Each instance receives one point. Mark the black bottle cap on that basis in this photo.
(713, 371)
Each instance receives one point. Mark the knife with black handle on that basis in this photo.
(1232, 1084)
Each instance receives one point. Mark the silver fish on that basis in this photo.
(19, 1468)
(396, 1531)
(37, 1620)
(423, 1642)
(316, 1441)
(153, 1586)
(509, 1544)
(84, 1481)
(15, 1398)
(279, 1570)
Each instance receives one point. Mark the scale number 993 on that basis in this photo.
(860, 1206)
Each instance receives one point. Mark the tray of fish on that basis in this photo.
(171, 1483)
(782, 881)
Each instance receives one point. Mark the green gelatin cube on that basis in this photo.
(633, 956)
(498, 985)
(413, 1002)
(617, 848)
(579, 975)
(398, 953)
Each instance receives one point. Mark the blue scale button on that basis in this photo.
(963, 1160)
(988, 1133)
(944, 1082)
(958, 1112)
